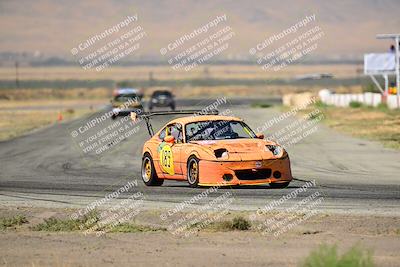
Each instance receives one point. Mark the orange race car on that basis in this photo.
(207, 150)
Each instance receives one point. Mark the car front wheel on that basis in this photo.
(193, 171)
(149, 175)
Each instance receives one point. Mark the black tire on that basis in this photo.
(192, 175)
(113, 116)
(279, 185)
(150, 107)
(173, 107)
(149, 175)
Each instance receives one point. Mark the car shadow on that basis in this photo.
(240, 187)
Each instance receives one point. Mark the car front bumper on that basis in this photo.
(161, 104)
(244, 172)
(126, 112)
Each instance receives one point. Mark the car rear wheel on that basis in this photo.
(279, 185)
(193, 171)
(149, 175)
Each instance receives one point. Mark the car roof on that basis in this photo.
(123, 91)
(162, 92)
(190, 119)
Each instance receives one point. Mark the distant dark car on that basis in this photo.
(162, 98)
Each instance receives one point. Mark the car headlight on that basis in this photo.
(276, 150)
(221, 153)
(225, 154)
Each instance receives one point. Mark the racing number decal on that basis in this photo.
(167, 159)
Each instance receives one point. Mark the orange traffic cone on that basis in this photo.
(60, 116)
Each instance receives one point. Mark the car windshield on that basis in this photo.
(126, 97)
(217, 130)
(161, 93)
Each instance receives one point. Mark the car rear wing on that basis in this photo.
(147, 115)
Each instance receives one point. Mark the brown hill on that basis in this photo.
(54, 27)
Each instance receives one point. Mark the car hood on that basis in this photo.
(123, 105)
(240, 149)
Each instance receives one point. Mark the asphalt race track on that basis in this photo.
(48, 167)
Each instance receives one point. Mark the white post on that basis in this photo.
(385, 96)
(386, 84)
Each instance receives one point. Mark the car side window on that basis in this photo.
(162, 134)
(176, 131)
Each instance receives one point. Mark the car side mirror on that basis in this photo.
(169, 139)
(260, 136)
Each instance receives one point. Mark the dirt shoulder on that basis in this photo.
(21, 246)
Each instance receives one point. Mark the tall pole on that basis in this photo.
(16, 74)
(397, 71)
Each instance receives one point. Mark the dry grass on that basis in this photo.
(19, 117)
(328, 256)
(51, 103)
(247, 91)
(100, 94)
(238, 223)
(8, 222)
(55, 94)
(371, 123)
(167, 73)
(22, 110)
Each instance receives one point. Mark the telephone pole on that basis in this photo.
(16, 74)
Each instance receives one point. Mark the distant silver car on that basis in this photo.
(125, 101)
(162, 98)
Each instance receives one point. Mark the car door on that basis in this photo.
(170, 153)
